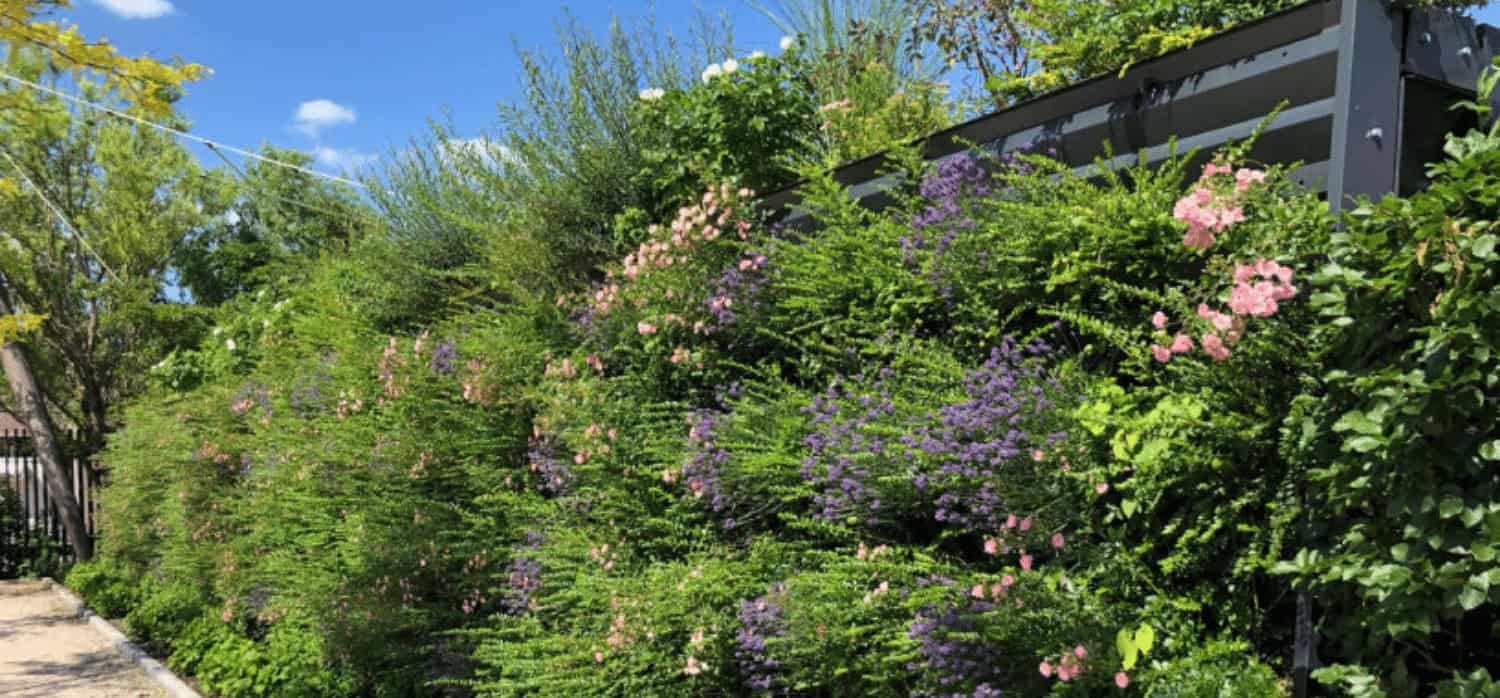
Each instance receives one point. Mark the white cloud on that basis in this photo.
(342, 158)
(312, 117)
(137, 9)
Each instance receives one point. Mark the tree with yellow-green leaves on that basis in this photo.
(143, 82)
(89, 212)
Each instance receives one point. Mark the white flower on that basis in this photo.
(757, 53)
(787, 42)
(730, 66)
(712, 72)
(652, 93)
(218, 331)
(229, 343)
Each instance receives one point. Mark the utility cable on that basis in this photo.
(177, 132)
(63, 219)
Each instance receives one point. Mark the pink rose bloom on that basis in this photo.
(1026, 524)
(1161, 353)
(1122, 680)
(1214, 347)
(1058, 541)
(1181, 344)
(1007, 581)
(1026, 562)
(1230, 216)
(1010, 521)
(644, 327)
(977, 592)
(1245, 178)
(991, 546)
(1159, 320)
(1045, 668)
(1198, 239)
(1080, 652)
(1254, 300)
(1101, 488)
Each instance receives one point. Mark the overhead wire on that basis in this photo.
(57, 212)
(210, 143)
(245, 180)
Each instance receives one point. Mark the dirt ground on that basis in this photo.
(47, 653)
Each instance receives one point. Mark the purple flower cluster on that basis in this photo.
(306, 394)
(525, 578)
(969, 443)
(251, 395)
(951, 657)
(838, 440)
(738, 283)
(957, 180)
(761, 619)
(553, 474)
(947, 191)
(442, 358)
(701, 473)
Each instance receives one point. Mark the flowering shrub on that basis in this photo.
(742, 122)
(919, 451)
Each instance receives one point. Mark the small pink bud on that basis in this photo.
(1026, 562)
(1122, 680)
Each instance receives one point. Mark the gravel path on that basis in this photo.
(47, 653)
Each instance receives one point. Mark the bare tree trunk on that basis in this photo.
(32, 410)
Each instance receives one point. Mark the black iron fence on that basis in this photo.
(29, 517)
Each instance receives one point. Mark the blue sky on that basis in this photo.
(364, 75)
(368, 73)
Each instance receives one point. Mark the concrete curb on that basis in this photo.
(164, 678)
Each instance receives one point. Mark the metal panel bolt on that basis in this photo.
(1426, 38)
(1466, 53)
(1375, 134)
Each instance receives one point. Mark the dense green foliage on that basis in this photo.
(1024, 431)
(1400, 439)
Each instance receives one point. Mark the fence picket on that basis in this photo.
(24, 475)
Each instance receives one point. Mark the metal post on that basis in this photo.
(1367, 102)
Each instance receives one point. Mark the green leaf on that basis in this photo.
(1145, 637)
(1362, 444)
(1126, 646)
(1128, 507)
(1490, 450)
(1483, 552)
(1470, 597)
(1400, 552)
(1358, 423)
(1450, 507)
(1484, 246)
